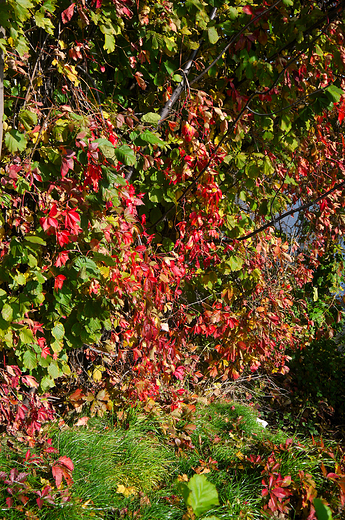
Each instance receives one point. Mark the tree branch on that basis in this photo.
(2, 35)
(233, 39)
(186, 70)
(287, 214)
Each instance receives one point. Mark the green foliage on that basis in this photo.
(149, 150)
(323, 512)
(199, 494)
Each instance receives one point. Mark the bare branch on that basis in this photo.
(288, 213)
(186, 70)
(233, 39)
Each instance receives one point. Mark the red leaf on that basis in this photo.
(332, 475)
(67, 162)
(247, 9)
(30, 381)
(66, 461)
(280, 492)
(62, 237)
(82, 421)
(57, 474)
(40, 502)
(71, 221)
(61, 259)
(67, 14)
(59, 280)
(140, 80)
(179, 373)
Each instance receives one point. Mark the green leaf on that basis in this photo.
(7, 312)
(26, 336)
(58, 331)
(44, 22)
(235, 263)
(233, 13)
(53, 370)
(107, 148)
(170, 67)
(212, 35)
(28, 119)
(107, 259)
(151, 138)
(126, 155)
(47, 382)
(335, 93)
(268, 168)
(151, 117)
(109, 43)
(57, 346)
(29, 360)
(15, 141)
(323, 512)
(89, 265)
(203, 495)
(285, 123)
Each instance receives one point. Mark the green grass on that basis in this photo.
(142, 457)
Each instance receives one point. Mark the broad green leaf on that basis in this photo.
(66, 369)
(106, 147)
(170, 67)
(151, 138)
(15, 141)
(235, 263)
(49, 5)
(212, 35)
(7, 312)
(151, 117)
(53, 370)
(203, 495)
(240, 160)
(233, 13)
(44, 22)
(29, 359)
(20, 279)
(57, 346)
(47, 382)
(335, 93)
(285, 123)
(108, 260)
(89, 265)
(26, 336)
(126, 155)
(323, 512)
(58, 331)
(28, 119)
(109, 43)
(268, 168)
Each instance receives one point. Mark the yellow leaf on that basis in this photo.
(62, 44)
(126, 491)
(240, 455)
(97, 373)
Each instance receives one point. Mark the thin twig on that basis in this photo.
(186, 70)
(287, 214)
(233, 39)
